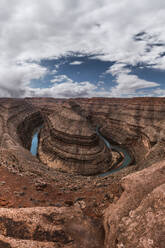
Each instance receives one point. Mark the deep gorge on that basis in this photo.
(62, 181)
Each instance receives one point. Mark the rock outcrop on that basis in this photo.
(68, 142)
(48, 228)
(137, 218)
(41, 206)
(137, 124)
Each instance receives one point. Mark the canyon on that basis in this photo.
(58, 198)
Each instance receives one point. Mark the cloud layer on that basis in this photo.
(127, 32)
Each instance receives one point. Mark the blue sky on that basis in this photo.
(96, 48)
(79, 69)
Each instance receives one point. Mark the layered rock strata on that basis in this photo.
(19, 118)
(137, 124)
(69, 143)
(137, 218)
(48, 227)
(135, 196)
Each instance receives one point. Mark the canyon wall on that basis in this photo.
(137, 124)
(69, 143)
(41, 196)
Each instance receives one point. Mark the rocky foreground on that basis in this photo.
(51, 201)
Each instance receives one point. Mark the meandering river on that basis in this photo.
(34, 144)
(126, 160)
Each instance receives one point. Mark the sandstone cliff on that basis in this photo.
(41, 206)
(68, 142)
(137, 218)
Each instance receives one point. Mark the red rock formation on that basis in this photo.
(137, 124)
(135, 217)
(48, 227)
(69, 143)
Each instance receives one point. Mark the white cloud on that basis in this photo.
(42, 29)
(159, 92)
(117, 68)
(100, 83)
(76, 63)
(32, 30)
(61, 78)
(64, 90)
(15, 77)
(127, 85)
(63, 87)
(53, 71)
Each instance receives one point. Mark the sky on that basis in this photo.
(75, 48)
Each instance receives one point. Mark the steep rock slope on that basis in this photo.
(18, 121)
(68, 142)
(137, 124)
(137, 218)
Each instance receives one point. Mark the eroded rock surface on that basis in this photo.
(68, 142)
(137, 218)
(136, 123)
(31, 187)
(48, 227)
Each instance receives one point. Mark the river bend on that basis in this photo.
(126, 160)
